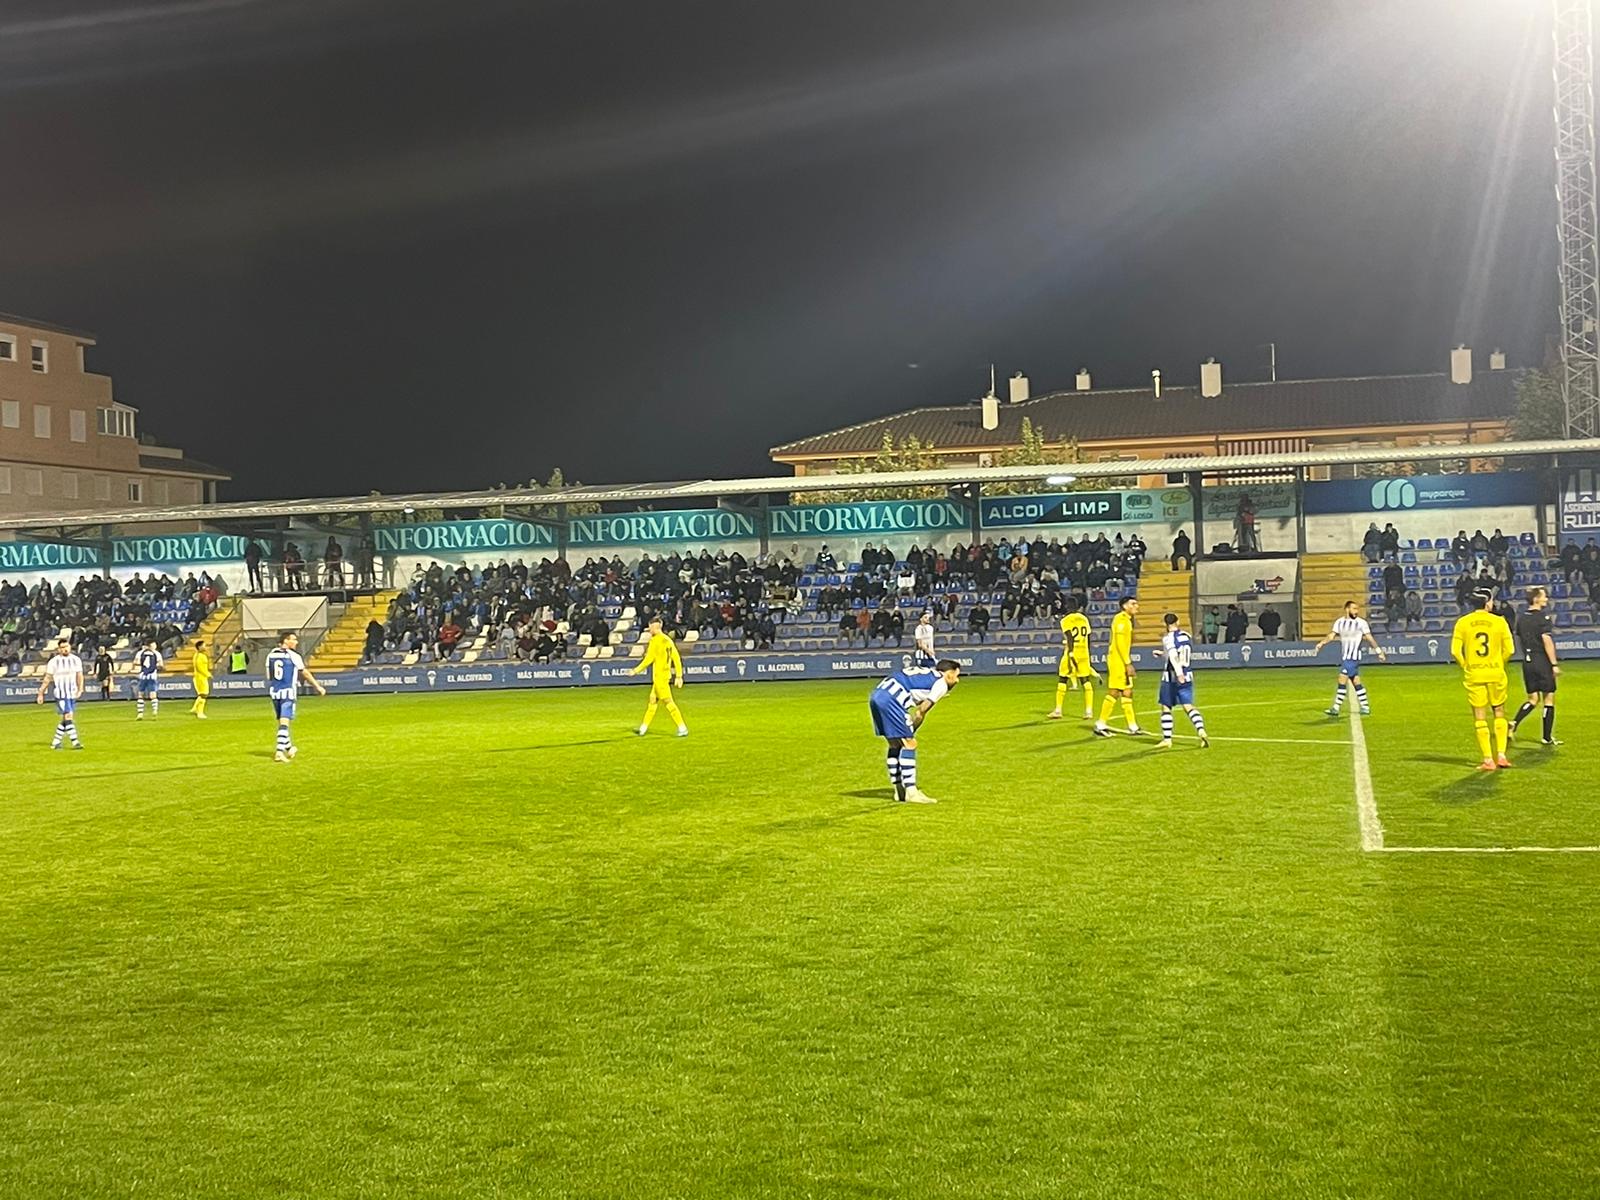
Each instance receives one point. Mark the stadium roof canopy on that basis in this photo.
(711, 489)
(1130, 414)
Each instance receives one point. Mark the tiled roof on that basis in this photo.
(181, 466)
(1243, 410)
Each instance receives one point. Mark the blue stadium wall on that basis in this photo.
(770, 665)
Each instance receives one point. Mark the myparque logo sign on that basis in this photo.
(1394, 493)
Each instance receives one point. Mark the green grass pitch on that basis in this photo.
(494, 944)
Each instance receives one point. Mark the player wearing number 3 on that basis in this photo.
(1482, 645)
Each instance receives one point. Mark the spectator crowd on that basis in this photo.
(99, 612)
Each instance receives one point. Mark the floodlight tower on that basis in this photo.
(1576, 220)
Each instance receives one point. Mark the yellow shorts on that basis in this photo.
(202, 687)
(1073, 668)
(1486, 693)
(1117, 678)
(661, 689)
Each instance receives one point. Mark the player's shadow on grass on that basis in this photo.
(555, 745)
(884, 795)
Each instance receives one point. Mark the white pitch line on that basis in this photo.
(1489, 849)
(1366, 805)
(1220, 737)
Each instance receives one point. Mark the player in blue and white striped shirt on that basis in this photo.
(1177, 684)
(148, 681)
(285, 670)
(898, 704)
(1350, 631)
(64, 674)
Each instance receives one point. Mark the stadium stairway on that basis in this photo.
(1161, 590)
(182, 661)
(341, 647)
(1326, 582)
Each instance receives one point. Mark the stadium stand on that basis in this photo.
(101, 612)
(726, 603)
(1435, 571)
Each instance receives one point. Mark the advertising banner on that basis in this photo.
(1580, 505)
(1248, 578)
(869, 518)
(460, 537)
(1505, 489)
(1271, 501)
(1087, 508)
(1406, 650)
(707, 525)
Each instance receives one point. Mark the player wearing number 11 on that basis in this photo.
(1481, 645)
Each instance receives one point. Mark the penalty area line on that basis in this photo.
(1366, 803)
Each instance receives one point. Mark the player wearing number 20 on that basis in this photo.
(1177, 683)
(1481, 645)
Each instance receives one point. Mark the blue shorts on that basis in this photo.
(1176, 695)
(889, 717)
(283, 709)
(145, 685)
(1350, 667)
(919, 659)
(66, 707)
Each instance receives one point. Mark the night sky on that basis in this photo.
(338, 245)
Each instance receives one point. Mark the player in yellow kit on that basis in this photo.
(1482, 644)
(202, 680)
(1075, 670)
(1120, 671)
(665, 665)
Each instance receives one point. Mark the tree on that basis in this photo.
(1540, 414)
(1034, 450)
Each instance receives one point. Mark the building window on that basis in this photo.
(80, 425)
(8, 347)
(102, 487)
(115, 422)
(33, 481)
(5, 481)
(41, 420)
(11, 414)
(158, 491)
(135, 491)
(41, 357)
(69, 485)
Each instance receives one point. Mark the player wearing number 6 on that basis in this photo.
(1482, 645)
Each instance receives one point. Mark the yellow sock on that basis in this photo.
(1061, 694)
(1127, 711)
(672, 710)
(200, 706)
(1088, 699)
(1501, 731)
(649, 713)
(1481, 729)
(1109, 707)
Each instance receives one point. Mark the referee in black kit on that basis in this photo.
(1539, 668)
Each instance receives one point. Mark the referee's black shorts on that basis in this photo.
(1538, 677)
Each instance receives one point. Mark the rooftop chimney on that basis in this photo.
(1019, 388)
(1083, 380)
(1155, 381)
(1211, 379)
(1461, 365)
(1497, 359)
(991, 411)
